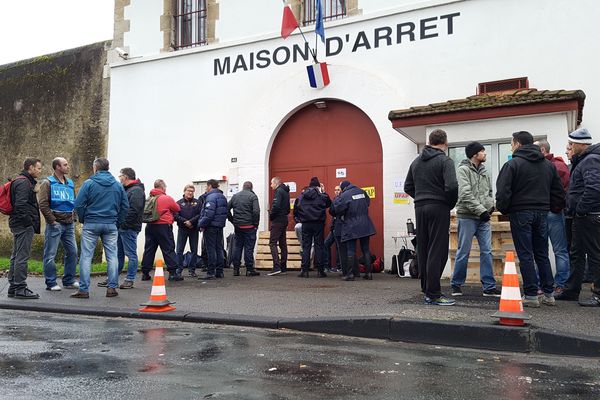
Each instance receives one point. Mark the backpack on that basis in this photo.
(404, 256)
(6, 206)
(151, 209)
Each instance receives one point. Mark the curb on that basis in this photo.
(445, 333)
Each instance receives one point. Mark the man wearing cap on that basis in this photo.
(431, 181)
(584, 205)
(556, 220)
(310, 210)
(473, 209)
(527, 188)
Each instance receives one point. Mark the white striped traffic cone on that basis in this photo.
(511, 305)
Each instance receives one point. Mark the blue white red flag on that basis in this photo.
(319, 27)
(318, 75)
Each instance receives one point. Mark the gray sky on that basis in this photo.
(31, 28)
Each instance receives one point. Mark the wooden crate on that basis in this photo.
(263, 251)
(501, 243)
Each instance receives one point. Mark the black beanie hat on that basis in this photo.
(314, 181)
(344, 185)
(473, 148)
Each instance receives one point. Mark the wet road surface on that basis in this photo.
(54, 356)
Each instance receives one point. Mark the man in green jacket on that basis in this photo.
(475, 203)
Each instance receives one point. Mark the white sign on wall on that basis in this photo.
(340, 172)
(292, 186)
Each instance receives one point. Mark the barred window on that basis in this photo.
(332, 10)
(189, 24)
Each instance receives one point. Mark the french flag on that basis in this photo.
(318, 76)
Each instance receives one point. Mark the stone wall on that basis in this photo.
(53, 105)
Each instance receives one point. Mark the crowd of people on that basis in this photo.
(544, 198)
(114, 212)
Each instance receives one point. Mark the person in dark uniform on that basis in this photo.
(351, 208)
(310, 211)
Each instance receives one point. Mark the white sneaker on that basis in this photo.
(74, 285)
(54, 288)
(275, 272)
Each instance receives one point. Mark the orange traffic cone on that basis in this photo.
(158, 297)
(511, 305)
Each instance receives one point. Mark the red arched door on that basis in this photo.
(338, 139)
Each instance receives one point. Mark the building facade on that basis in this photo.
(206, 89)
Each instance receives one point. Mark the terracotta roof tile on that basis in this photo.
(483, 101)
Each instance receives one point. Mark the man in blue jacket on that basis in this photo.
(187, 219)
(310, 210)
(584, 205)
(101, 206)
(212, 221)
(352, 210)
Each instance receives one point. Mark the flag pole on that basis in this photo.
(312, 52)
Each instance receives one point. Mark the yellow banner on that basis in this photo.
(370, 191)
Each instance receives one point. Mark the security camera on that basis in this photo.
(122, 53)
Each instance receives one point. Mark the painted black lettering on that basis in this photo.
(303, 53)
(251, 57)
(262, 59)
(333, 41)
(220, 69)
(405, 28)
(361, 41)
(383, 33)
(240, 63)
(425, 27)
(286, 58)
(450, 17)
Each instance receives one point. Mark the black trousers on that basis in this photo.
(277, 236)
(433, 235)
(159, 235)
(586, 243)
(313, 231)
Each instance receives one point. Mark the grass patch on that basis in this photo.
(37, 267)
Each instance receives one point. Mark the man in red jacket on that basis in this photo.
(160, 233)
(556, 221)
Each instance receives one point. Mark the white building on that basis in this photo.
(236, 104)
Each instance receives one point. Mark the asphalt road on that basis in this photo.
(50, 356)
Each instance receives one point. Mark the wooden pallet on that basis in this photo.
(263, 251)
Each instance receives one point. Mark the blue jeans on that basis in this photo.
(213, 239)
(127, 246)
(183, 236)
(330, 241)
(89, 237)
(467, 229)
(55, 234)
(529, 231)
(558, 238)
(244, 239)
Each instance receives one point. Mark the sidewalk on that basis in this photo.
(287, 297)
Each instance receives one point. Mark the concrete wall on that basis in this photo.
(54, 105)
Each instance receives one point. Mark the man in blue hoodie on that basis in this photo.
(101, 206)
(212, 221)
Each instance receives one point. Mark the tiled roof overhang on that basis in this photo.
(495, 105)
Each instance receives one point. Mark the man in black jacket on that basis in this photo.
(527, 188)
(280, 209)
(310, 211)
(431, 182)
(244, 214)
(584, 206)
(130, 228)
(23, 222)
(187, 218)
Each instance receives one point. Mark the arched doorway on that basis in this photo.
(326, 137)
